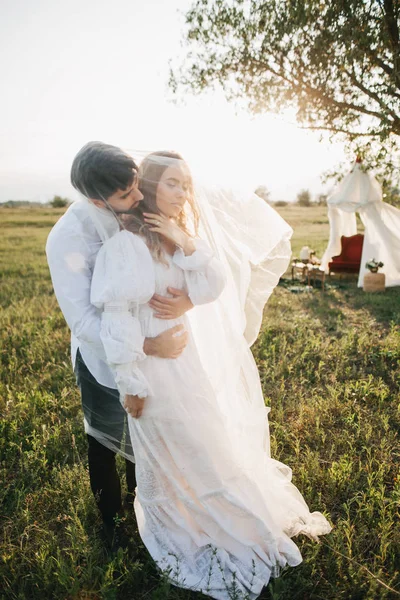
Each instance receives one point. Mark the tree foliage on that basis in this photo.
(336, 61)
(263, 192)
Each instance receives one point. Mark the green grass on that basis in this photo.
(329, 365)
(310, 225)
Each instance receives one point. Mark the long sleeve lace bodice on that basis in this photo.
(125, 278)
(204, 275)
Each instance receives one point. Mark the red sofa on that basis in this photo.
(349, 260)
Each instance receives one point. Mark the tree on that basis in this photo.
(322, 200)
(336, 61)
(304, 198)
(263, 192)
(59, 202)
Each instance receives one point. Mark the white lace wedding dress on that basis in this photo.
(214, 510)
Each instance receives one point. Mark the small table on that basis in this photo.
(302, 268)
(315, 272)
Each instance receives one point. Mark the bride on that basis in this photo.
(214, 510)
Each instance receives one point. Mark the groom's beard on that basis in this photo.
(128, 211)
(132, 210)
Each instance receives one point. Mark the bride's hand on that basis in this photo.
(169, 229)
(134, 405)
(171, 308)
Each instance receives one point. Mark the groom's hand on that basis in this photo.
(169, 344)
(171, 308)
(134, 405)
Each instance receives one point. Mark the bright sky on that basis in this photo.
(78, 70)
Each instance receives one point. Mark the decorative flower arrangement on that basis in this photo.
(373, 265)
(307, 255)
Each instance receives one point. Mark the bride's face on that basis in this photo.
(173, 189)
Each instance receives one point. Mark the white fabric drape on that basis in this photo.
(340, 223)
(360, 192)
(254, 242)
(381, 241)
(356, 190)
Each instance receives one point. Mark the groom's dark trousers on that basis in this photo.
(101, 406)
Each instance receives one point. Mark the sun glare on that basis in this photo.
(232, 148)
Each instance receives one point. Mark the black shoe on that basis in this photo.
(115, 534)
(129, 501)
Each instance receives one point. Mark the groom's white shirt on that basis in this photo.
(71, 249)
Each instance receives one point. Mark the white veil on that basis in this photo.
(253, 243)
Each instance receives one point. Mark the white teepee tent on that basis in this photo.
(360, 192)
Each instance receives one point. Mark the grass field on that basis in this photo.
(329, 365)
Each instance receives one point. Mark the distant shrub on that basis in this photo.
(59, 202)
(304, 198)
(280, 203)
(19, 204)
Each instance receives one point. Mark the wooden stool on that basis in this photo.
(316, 273)
(374, 282)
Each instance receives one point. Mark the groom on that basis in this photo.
(107, 177)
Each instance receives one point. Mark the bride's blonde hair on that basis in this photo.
(150, 172)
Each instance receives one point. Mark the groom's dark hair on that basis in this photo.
(99, 170)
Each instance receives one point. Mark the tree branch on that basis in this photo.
(311, 91)
(372, 95)
(392, 26)
(350, 134)
(384, 66)
(393, 31)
